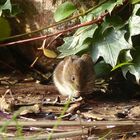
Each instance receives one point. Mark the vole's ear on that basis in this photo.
(71, 58)
(74, 57)
(87, 58)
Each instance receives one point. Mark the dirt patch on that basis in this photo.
(37, 102)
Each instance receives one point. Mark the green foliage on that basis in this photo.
(6, 10)
(134, 29)
(15, 10)
(102, 69)
(78, 42)
(135, 1)
(108, 45)
(135, 67)
(107, 6)
(64, 11)
(111, 41)
(134, 22)
(121, 65)
(5, 29)
(6, 6)
(125, 59)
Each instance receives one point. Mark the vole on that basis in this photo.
(74, 76)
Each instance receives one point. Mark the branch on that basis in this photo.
(68, 123)
(81, 132)
(97, 20)
(56, 24)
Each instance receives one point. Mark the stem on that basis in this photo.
(56, 24)
(69, 123)
(55, 135)
(97, 20)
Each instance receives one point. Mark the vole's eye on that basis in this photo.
(73, 78)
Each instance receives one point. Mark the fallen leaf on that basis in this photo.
(135, 112)
(49, 53)
(29, 109)
(5, 106)
(73, 107)
(89, 115)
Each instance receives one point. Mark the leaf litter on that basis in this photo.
(34, 102)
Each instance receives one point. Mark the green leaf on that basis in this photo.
(15, 10)
(125, 56)
(135, 1)
(119, 2)
(102, 69)
(134, 70)
(64, 11)
(6, 6)
(107, 6)
(135, 67)
(5, 29)
(78, 42)
(114, 21)
(71, 49)
(108, 45)
(134, 22)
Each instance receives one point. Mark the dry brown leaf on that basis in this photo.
(29, 109)
(5, 106)
(73, 107)
(89, 115)
(135, 112)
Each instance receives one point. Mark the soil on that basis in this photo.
(35, 102)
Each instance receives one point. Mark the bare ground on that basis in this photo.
(33, 102)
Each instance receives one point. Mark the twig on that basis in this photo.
(97, 20)
(49, 44)
(33, 63)
(54, 135)
(56, 24)
(70, 123)
(37, 58)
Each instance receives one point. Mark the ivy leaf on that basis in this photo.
(114, 21)
(102, 69)
(135, 67)
(78, 42)
(134, 22)
(15, 10)
(5, 29)
(70, 49)
(125, 56)
(64, 11)
(135, 1)
(107, 6)
(119, 2)
(6, 6)
(125, 59)
(108, 45)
